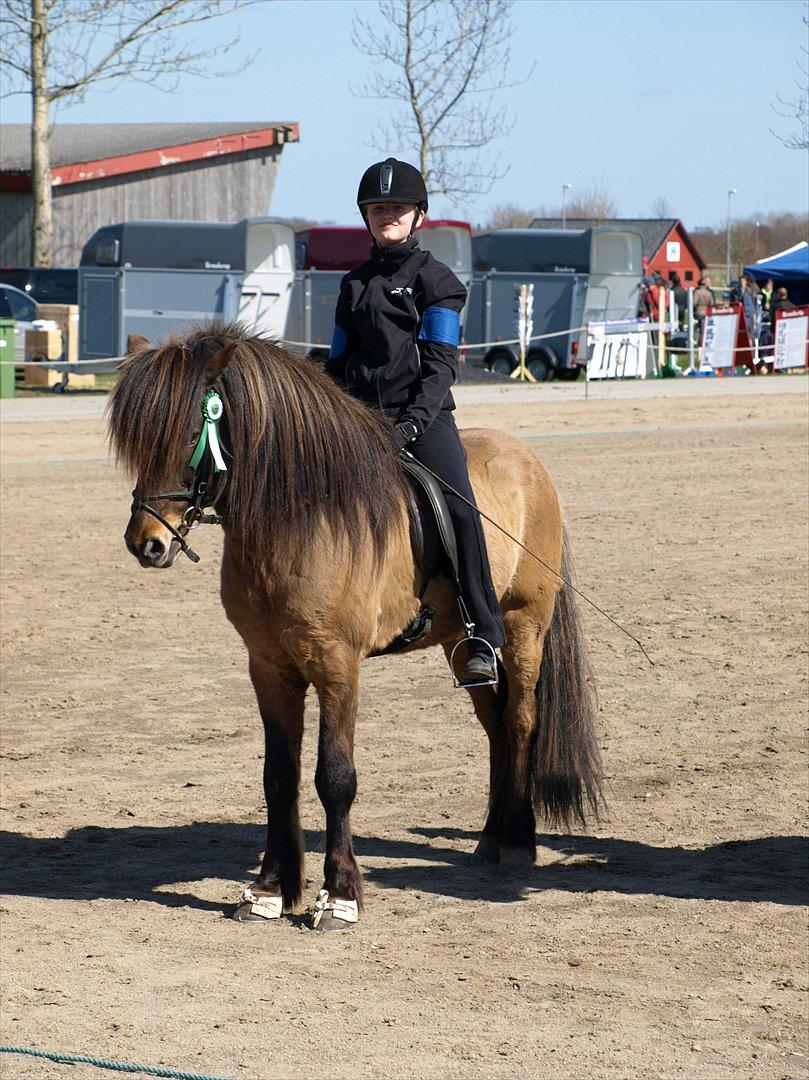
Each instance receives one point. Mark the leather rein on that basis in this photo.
(207, 463)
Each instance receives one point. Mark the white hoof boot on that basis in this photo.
(339, 913)
(252, 907)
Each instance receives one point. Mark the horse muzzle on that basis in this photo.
(151, 544)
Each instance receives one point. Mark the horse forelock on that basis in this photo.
(152, 412)
(303, 450)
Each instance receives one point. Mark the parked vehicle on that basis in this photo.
(17, 305)
(579, 275)
(46, 285)
(152, 277)
(331, 247)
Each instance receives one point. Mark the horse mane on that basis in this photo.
(303, 451)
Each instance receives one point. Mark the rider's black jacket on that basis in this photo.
(396, 333)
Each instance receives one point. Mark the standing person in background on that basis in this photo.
(766, 298)
(680, 299)
(703, 299)
(647, 297)
(747, 298)
(781, 302)
(766, 335)
(706, 281)
(645, 304)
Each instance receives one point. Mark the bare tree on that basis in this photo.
(661, 207)
(442, 62)
(796, 108)
(595, 202)
(510, 216)
(56, 50)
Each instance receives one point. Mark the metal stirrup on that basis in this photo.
(467, 639)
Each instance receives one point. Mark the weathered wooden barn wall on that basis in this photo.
(218, 189)
(15, 227)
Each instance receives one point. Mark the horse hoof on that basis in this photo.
(327, 924)
(513, 859)
(252, 908)
(334, 915)
(487, 851)
(243, 913)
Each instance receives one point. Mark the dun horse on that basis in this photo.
(319, 573)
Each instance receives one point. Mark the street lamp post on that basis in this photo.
(731, 192)
(565, 189)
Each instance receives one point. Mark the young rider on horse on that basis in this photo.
(395, 346)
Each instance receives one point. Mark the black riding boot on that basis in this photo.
(440, 449)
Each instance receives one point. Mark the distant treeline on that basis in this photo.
(751, 238)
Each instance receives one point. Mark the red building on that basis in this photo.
(667, 247)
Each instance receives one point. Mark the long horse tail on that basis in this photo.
(566, 763)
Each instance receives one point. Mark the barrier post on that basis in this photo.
(691, 329)
(661, 337)
(587, 371)
(525, 326)
(6, 358)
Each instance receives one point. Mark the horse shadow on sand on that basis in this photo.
(146, 863)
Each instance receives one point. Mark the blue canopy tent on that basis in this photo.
(790, 268)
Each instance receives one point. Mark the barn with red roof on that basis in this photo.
(104, 173)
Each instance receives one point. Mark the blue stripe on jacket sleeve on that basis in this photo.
(338, 342)
(441, 324)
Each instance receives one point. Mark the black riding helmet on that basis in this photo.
(394, 182)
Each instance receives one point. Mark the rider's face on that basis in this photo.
(391, 223)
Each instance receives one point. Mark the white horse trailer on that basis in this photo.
(156, 277)
(579, 276)
(451, 243)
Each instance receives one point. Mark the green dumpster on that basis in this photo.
(6, 358)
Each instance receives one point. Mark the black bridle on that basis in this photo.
(204, 463)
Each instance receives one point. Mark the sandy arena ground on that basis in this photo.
(669, 941)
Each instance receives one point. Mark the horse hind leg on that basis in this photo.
(550, 720)
(521, 660)
(488, 705)
(281, 700)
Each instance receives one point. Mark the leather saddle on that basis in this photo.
(435, 546)
(431, 528)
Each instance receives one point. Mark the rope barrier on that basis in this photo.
(303, 345)
(642, 328)
(466, 345)
(104, 1063)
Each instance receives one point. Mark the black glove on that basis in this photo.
(405, 432)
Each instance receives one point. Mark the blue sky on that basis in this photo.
(652, 99)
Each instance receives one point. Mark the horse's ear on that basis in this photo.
(219, 361)
(136, 343)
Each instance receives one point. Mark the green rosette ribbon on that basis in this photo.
(212, 410)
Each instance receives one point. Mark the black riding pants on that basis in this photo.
(440, 449)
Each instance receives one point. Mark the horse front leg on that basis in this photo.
(281, 698)
(340, 899)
